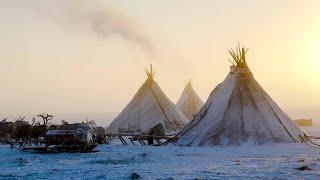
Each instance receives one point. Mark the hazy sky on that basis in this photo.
(88, 56)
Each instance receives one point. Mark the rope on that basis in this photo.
(309, 139)
(313, 143)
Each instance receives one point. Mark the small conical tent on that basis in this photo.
(189, 102)
(239, 111)
(148, 108)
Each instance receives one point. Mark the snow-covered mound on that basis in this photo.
(189, 102)
(149, 107)
(239, 111)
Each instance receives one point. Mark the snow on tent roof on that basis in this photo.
(239, 111)
(149, 107)
(189, 102)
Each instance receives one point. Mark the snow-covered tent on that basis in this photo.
(239, 111)
(149, 107)
(189, 102)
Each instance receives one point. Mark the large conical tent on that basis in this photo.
(189, 102)
(239, 111)
(149, 107)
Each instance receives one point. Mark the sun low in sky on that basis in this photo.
(88, 57)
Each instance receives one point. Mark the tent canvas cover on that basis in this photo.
(149, 107)
(239, 111)
(189, 102)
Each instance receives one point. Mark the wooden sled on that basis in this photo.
(41, 146)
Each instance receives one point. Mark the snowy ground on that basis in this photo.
(119, 162)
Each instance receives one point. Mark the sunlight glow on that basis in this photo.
(316, 56)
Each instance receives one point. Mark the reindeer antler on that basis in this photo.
(42, 116)
(20, 118)
(45, 117)
(4, 119)
(33, 120)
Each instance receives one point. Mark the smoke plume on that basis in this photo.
(104, 18)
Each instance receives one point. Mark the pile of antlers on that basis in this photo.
(45, 118)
